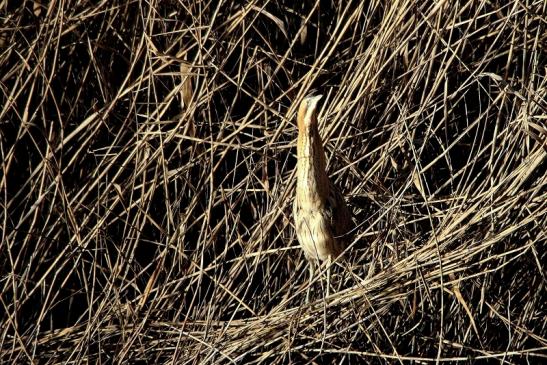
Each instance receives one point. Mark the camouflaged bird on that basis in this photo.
(322, 218)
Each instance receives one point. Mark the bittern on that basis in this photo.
(321, 216)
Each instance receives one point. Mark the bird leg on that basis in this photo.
(329, 260)
(311, 270)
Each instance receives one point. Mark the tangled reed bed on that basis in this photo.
(148, 151)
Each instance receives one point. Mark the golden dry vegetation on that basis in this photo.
(147, 175)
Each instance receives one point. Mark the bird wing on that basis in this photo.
(338, 214)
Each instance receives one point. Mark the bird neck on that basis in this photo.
(312, 180)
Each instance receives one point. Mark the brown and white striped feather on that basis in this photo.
(322, 229)
(321, 215)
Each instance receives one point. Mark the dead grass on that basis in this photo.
(147, 176)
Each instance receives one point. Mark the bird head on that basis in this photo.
(307, 112)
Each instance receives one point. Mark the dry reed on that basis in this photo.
(148, 154)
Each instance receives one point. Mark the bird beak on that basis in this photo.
(311, 110)
(312, 101)
(307, 113)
